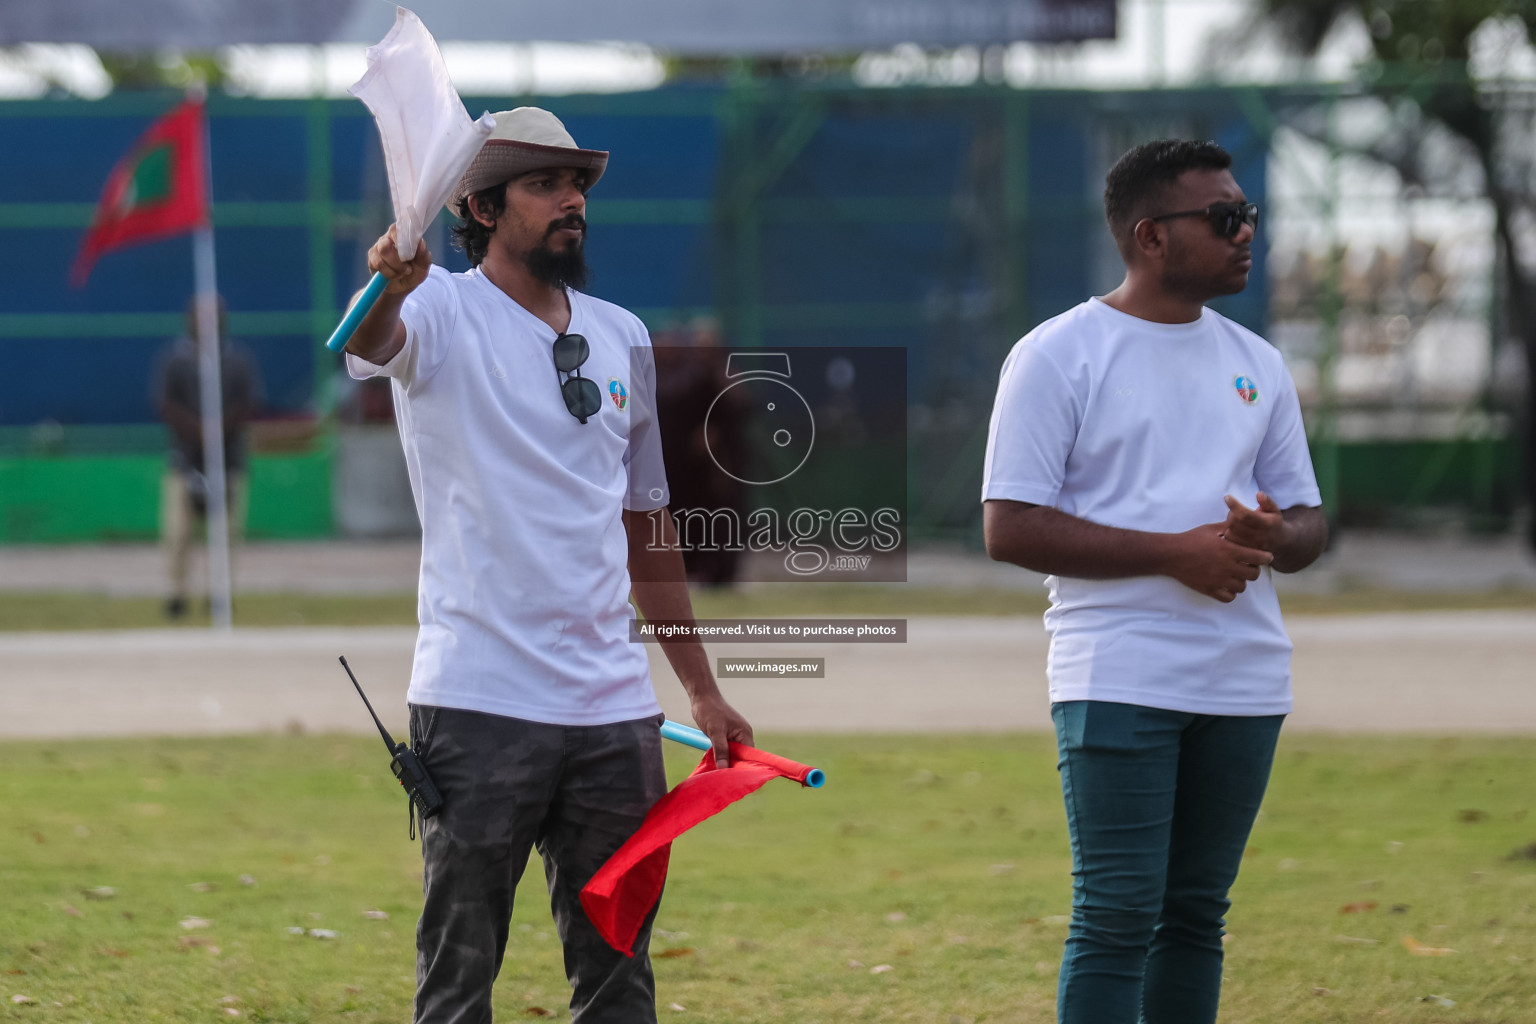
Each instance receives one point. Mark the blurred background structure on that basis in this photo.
(904, 176)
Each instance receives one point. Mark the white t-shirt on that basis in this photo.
(524, 594)
(1146, 426)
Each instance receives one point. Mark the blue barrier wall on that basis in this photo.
(946, 221)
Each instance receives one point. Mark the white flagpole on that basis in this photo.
(211, 391)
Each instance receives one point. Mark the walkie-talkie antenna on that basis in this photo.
(424, 798)
(389, 741)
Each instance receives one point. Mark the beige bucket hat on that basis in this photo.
(525, 139)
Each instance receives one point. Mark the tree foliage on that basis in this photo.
(1426, 53)
(1416, 31)
(141, 71)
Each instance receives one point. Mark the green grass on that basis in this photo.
(945, 858)
(63, 611)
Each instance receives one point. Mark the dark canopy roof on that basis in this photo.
(681, 26)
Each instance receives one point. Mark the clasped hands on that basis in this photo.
(1220, 559)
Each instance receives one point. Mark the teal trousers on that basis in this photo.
(1159, 807)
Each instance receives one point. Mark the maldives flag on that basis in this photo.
(159, 189)
(624, 890)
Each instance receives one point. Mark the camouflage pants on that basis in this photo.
(576, 793)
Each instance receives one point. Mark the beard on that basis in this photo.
(1184, 278)
(564, 268)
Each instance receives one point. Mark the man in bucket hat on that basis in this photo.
(531, 440)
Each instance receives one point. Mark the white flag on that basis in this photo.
(429, 140)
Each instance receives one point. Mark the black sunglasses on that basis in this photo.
(1227, 218)
(581, 395)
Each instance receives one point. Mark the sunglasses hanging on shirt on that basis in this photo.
(1226, 218)
(581, 394)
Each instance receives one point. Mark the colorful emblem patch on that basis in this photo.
(617, 393)
(1247, 390)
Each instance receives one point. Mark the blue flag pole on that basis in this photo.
(691, 737)
(686, 735)
(360, 308)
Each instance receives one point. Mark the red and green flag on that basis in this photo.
(157, 190)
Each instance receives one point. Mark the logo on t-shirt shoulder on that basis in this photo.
(1247, 390)
(617, 392)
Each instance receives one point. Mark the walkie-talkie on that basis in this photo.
(425, 800)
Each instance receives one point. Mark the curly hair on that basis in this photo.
(472, 237)
(1143, 175)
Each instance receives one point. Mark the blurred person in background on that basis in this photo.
(537, 472)
(184, 487)
(699, 414)
(1149, 455)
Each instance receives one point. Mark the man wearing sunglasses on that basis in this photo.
(525, 408)
(1149, 455)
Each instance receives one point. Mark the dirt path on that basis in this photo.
(1441, 563)
(1432, 672)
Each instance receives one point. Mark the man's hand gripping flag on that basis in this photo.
(428, 138)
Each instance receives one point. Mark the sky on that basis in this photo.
(1161, 42)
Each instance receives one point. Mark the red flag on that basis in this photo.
(626, 888)
(159, 189)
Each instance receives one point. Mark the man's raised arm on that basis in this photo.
(381, 335)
